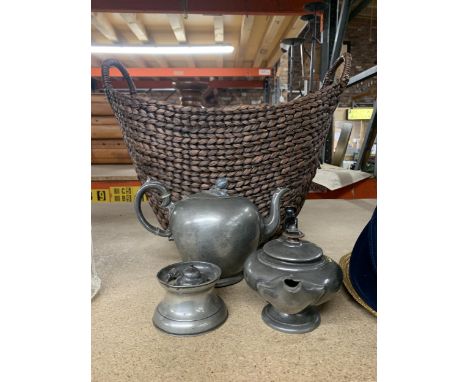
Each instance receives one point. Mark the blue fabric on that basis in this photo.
(363, 263)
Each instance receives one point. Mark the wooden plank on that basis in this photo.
(103, 156)
(103, 25)
(269, 38)
(99, 159)
(108, 144)
(106, 132)
(110, 156)
(98, 98)
(135, 25)
(218, 23)
(101, 109)
(113, 173)
(178, 28)
(106, 120)
(246, 29)
(177, 25)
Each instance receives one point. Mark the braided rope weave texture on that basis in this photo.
(259, 148)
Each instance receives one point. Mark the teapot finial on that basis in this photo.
(221, 183)
(220, 187)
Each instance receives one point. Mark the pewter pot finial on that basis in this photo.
(221, 183)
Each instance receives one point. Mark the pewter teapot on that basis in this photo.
(213, 226)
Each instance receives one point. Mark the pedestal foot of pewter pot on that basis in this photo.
(301, 322)
(229, 280)
(190, 328)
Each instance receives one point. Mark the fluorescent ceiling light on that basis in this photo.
(163, 50)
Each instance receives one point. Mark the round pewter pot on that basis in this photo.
(190, 305)
(294, 276)
(213, 226)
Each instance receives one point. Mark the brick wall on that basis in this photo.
(361, 41)
(361, 36)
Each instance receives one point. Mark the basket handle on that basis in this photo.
(330, 75)
(105, 73)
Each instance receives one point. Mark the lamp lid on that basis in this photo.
(189, 274)
(290, 247)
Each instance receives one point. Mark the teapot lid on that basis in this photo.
(189, 274)
(219, 190)
(289, 247)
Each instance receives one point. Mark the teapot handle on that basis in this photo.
(165, 203)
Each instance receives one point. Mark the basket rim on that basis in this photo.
(328, 84)
(144, 97)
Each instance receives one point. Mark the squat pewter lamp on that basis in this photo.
(190, 305)
(294, 276)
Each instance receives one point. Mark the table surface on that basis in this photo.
(109, 172)
(127, 347)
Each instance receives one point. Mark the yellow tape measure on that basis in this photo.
(115, 194)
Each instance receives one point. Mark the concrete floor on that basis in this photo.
(126, 346)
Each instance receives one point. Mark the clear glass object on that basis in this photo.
(95, 280)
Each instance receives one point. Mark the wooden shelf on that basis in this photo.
(108, 176)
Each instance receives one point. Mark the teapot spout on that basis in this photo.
(271, 222)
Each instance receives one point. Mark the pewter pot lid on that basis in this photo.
(189, 274)
(219, 190)
(289, 247)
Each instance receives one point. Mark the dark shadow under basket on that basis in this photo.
(259, 148)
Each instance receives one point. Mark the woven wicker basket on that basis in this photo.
(257, 147)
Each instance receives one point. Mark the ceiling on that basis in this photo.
(255, 38)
